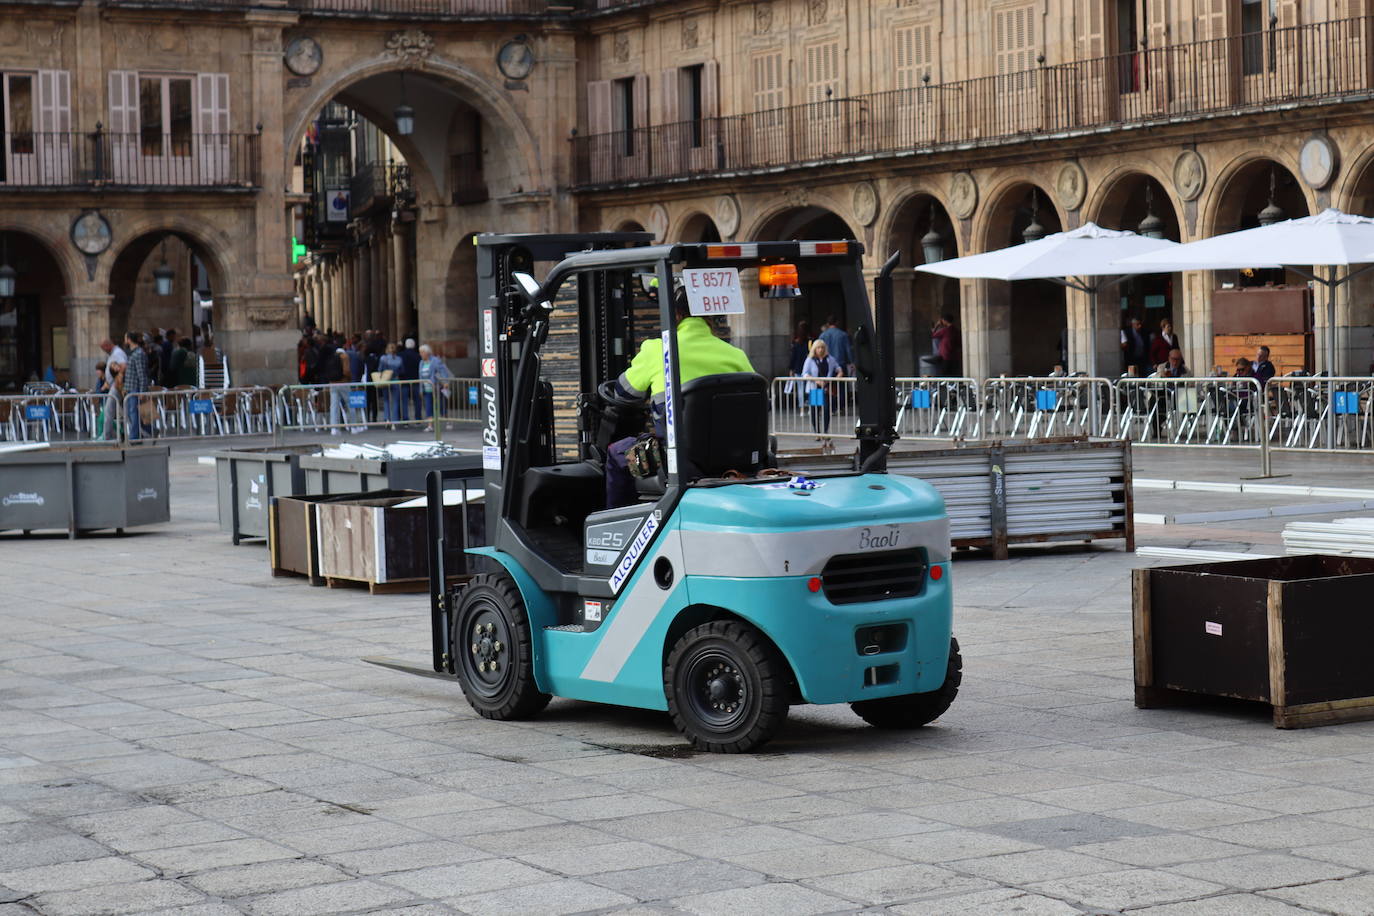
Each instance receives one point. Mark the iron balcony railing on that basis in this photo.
(1317, 63)
(39, 160)
(378, 184)
(404, 9)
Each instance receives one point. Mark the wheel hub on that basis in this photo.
(486, 648)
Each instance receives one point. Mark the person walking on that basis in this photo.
(432, 370)
(133, 381)
(944, 344)
(837, 343)
(389, 368)
(818, 369)
(115, 360)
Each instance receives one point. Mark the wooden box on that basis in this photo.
(1292, 632)
(1286, 351)
(293, 543)
(1262, 310)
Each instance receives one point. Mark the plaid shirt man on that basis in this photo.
(136, 373)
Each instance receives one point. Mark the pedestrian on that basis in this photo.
(410, 373)
(133, 382)
(944, 344)
(115, 360)
(435, 370)
(838, 345)
(1263, 368)
(1163, 341)
(169, 346)
(388, 371)
(374, 345)
(1135, 347)
(818, 369)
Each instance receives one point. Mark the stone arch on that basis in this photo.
(460, 288)
(129, 280)
(474, 89)
(767, 223)
(42, 284)
(1354, 193)
(629, 225)
(1242, 191)
(1122, 200)
(919, 298)
(1028, 318)
(212, 244)
(56, 246)
(696, 226)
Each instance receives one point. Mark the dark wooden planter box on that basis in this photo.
(293, 542)
(1293, 632)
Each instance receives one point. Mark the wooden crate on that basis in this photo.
(1292, 632)
(293, 544)
(1286, 351)
(368, 539)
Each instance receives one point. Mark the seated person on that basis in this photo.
(699, 352)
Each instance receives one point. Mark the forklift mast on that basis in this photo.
(604, 334)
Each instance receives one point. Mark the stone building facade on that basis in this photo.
(134, 128)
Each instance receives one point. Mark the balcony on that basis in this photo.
(378, 185)
(44, 161)
(396, 9)
(1321, 63)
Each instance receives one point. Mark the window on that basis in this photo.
(1014, 45)
(822, 72)
(768, 81)
(691, 101)
(18, 111)
(1255, 17)
(165, 115)
(1129, 16)
(910, 55)
(623, 95)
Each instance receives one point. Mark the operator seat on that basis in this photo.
(723, 425)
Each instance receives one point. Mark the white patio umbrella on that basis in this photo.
(1084, 259)
(1331, 238)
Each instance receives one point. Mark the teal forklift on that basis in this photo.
(740, 583)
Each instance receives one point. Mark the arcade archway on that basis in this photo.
(1036, 317)
(33, 322)
(922, 223)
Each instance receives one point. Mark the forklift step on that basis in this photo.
(569, 628)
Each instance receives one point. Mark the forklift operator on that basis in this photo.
(699, 351)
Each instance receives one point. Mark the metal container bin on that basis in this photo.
(363, 475)
(84, 488)
(248, 478)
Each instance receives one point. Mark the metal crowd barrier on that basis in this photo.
(799, 410)
(1044, 407)
(460, 400)
(1318, 412)
(937, 408)
(344, 407)
(1189, 411)
(50, 417)
(197, 413)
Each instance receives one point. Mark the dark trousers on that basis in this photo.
(620, 484)
(820, 414)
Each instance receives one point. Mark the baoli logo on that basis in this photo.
(870, 539)
(146, 493)
(22, 499)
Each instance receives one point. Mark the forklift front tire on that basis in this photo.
(493, 649)
(915, 709)
(727, 687)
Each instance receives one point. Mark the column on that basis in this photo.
(398, 288)
(88, 323)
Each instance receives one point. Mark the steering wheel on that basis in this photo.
(610, 393)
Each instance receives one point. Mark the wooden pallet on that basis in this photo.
(401, 587)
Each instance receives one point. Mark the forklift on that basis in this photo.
(739, 583)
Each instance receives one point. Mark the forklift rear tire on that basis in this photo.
(727, 687)
(493, 649)
(915, 709)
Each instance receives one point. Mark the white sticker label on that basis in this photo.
(713, 291)
(491, 457)
(488, 331)
(601, 557)
(23, 499)
(591, 610)
(1213, 628)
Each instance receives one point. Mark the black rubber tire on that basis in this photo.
(748, 672)
(913, 710)
(490, 626)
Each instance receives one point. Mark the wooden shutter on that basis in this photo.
(1094, 33)
(123, 102)
(641, 100)
(54, 101)
(599, 107)
(710, 89)
(910, 55)
(669, 90)
(1211, 20)
(768, 81)
(1289, 13)
(212, 103)
(822, 71)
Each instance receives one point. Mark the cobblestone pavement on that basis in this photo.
(180, 732)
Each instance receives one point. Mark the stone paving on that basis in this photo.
(182, 733)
